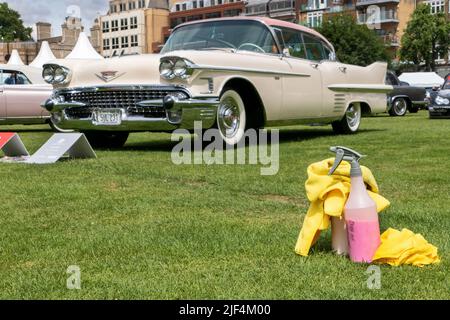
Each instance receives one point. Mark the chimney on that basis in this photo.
(43, 30)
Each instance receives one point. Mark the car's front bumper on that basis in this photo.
(436, 111)
(142, 108)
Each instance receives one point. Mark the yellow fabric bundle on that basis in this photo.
(328, 195)
(405, 247)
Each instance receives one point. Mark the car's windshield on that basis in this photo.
(238, 35)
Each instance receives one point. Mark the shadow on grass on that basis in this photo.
(286, 136)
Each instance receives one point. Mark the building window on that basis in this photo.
(131, 5)
(177, 7)
(115, 25)
(134, 41)
(133, 23)
(184, 6)
(212, 2)
(113, 8)
(194, 5)
(231, 13)
(201, 4)
(219, 2)
(123, 7)
(314, 19)
(124, 24)
(124, 42)
(141, 4)
(106, 44)
(115, 43)
(436, 5)
(105, 26)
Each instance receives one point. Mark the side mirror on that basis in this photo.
(286, 52)
(404, 84)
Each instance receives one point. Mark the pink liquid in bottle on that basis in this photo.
(364, 239)
(363, 228)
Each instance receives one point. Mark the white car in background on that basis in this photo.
(22, 91)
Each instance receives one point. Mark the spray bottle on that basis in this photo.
(360, 212)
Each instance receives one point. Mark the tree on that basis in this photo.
(426, 37)
(354, 43)
(11, 25)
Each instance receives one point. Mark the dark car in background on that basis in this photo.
(440, 101)
(404, 97)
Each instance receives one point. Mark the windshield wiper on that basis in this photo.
(217, 48)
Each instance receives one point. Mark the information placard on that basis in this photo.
(12, 145)
(75, 145)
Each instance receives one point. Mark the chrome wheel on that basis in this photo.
(400, 107)
(353, 116)
(231, 117)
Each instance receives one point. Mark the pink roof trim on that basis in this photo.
(269, 22)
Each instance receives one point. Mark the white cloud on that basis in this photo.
(55, 11)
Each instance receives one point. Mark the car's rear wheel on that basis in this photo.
(106, 140)
(231, 117)
(399, 107)
(351, 121)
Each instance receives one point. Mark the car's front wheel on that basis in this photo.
(106, 140)
(351, 121)
(399, 107)
(231, 117)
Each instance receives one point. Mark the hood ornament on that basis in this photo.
(108, 76)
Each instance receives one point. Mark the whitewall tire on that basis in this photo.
(351, 121)
(231, 117)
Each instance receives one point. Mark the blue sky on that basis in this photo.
(54, 11)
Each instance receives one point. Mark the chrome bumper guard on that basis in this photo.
(180, 113)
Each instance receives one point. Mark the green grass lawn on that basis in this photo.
(140, 227)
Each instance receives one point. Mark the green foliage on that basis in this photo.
(354, 43)
(11, 25)
(426, 36)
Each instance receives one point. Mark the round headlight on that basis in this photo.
(48, 74)
(59, 75)
(166, 69)
(440, 100)
(180, 68)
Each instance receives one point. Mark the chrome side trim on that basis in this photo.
(250, 70)
(363, 88)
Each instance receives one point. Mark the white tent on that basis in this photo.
(422, 79)
(15, 59)
(84, 50)
(45, 55)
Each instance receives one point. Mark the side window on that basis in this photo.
(390, 79)
(12, 77)
(329, 54)
(314, 48)
(294, 42)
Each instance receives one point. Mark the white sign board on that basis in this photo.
(12, 146)
(75, 145)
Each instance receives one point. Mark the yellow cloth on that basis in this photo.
(405, 247)
(328, 195)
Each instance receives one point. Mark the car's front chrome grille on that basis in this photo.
(123, 99)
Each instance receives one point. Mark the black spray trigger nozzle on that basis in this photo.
(347, 154)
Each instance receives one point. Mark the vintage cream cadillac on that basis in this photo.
(232, 73)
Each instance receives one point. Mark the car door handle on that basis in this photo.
(315, 65)
(343, 69)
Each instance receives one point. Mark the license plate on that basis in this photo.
(107, 117)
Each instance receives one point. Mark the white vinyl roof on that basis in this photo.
(422, 79)
(84, 50)
(15, 59)
(44, 56)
